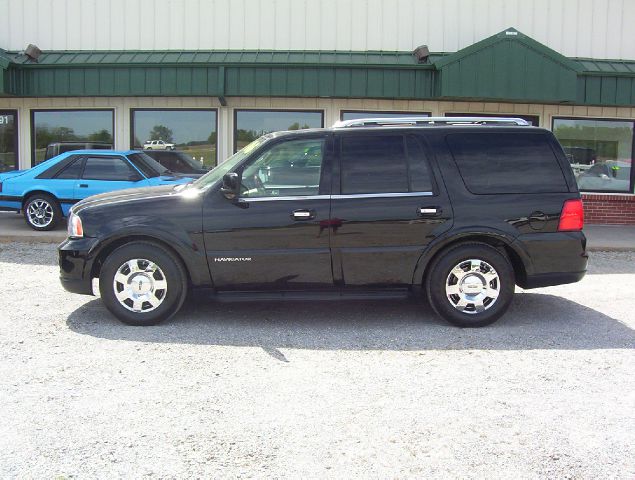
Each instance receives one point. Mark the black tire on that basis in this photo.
(42, 212)
(444, 303)
(170, 269)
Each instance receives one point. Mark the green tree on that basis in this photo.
(161, 132)
(100, 136)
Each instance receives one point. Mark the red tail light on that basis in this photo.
(572, 216)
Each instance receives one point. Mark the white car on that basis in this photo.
(158, 145)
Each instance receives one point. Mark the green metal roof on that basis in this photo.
(230, 57)
(508, 66)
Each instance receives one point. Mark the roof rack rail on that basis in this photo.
(430, 121)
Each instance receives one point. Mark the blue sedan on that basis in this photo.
(46, 192)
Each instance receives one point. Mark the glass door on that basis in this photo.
(8, 140)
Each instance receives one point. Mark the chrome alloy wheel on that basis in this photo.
(140, 285)
(472, 286)
(40, 213)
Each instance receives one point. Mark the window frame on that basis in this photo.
(133, 110)
(34, 111)
(381, 112)
(16, 136)
(604, 119)
(274, 110)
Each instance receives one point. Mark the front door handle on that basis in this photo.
(426, 211)
(303, 214)
(83, 185)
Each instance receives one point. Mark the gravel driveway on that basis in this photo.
(336, 390)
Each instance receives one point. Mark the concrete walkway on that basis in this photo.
(615, 238)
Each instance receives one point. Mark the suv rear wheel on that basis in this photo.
(142, 284)
(471, 285)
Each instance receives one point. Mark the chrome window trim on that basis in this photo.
(383, 195)
(336, 197)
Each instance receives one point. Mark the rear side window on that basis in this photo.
(384, 164)
(72, 171)
(492, 162)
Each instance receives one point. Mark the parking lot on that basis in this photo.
(317, 389)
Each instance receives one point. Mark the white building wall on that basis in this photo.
(331, 108)
(577, 28)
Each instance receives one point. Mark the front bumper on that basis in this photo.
(76, 263)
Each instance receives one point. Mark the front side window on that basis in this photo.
(291, 168)
(69, 127)
(191, 131)
(251, 124)
(109, 169)
(600, 152)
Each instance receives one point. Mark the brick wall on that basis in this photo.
(609, 209)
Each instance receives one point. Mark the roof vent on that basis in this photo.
(422, 53)
(33, 52)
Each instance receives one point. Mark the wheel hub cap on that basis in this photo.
(472, 286)
(140, 285)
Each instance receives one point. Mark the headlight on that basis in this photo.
(75, 228)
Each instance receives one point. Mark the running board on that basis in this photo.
(311, 296)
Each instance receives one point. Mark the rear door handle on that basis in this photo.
(83, 185)
(425, 211)
(303, 214)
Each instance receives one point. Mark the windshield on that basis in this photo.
(217, 173)
(148, 166)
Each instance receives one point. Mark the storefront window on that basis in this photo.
(64, 130)
(600, 152)
(190, 131)
(532, 119)
(251, 124)
(8, 140)
(355, 114)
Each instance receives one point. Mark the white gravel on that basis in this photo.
(328, 390)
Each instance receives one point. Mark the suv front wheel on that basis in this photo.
(471, 285)
(142, 284)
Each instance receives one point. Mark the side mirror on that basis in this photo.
(230, 185)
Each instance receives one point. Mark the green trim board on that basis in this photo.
(507, 67)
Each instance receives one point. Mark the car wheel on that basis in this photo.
(142, 283)
(42, 212)
(470, 285)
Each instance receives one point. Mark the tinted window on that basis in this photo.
(75, 126)
(374, 164)
(289, 168)
(109, 168)
(149, 166)
(193, 131)
(492, 162)
(72, 170)
(589, 141)
(251, 124)
(419, 169)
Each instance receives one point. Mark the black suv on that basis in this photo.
(461, 208)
